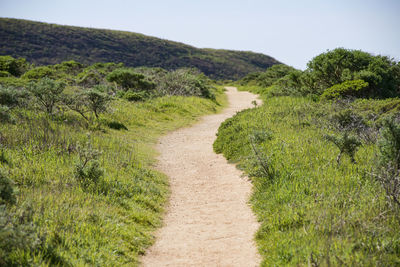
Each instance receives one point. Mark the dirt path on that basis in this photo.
(208, 221)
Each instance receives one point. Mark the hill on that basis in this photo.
(43, 43)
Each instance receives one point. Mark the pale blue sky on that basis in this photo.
(290, 31)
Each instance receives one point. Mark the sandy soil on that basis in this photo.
(208, 221)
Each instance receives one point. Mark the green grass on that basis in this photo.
(312, 211)
(110, 226)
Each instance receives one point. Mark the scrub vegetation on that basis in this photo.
(77, 183)
(43, 44)
(323, 155)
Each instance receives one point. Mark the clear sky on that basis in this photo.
(292, 31)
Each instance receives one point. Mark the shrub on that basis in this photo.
(5, 115)
(185, 82)
(97, 101)
(346, 89)
(135, 96)
(15, 67)
(388, 164)
(47, 92)
(12, 97)
(347, 145)
(39, 73)
(77, 102)
(340, 65)
(128, 79)
(7, 191)
(4, 73)
(89, 78)
(87, 168)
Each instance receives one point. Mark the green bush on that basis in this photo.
(128, 79)
(135, 96)
(14, 82)
(185, 82)
(12, 97)
(4, 73)
(89, 78)
(7, 191)
(353, 88)
(5, 115)
(387, 169)
(40, 72)
(340, 65)
(97, 100)
(47, 92)
(15, 67)
(87, 168)
(269, 77)
(347, 144)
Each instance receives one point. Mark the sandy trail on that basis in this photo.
(208, 221)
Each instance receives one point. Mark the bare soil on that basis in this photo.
(208, 220)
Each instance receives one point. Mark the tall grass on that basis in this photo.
(312, 211)
(112, 223)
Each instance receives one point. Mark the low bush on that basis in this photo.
(39, 73)
(135, 96)
(87, 168)
(346, 89)
(185, 82)
(7, 191)
(47, 93)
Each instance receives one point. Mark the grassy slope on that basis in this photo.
(87, 228)
(43, 43)
(312, 212)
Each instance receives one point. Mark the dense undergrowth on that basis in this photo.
(312, 210)
(77, 183)
(323, 156)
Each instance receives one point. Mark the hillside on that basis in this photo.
(43, 43)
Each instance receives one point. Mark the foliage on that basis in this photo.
(312, 210)
(129, 80)
(87, 168)
(347, 145)
(185, 82)
(12, 66)
(97, 100)
(5, 115)
(47, 92)
(352, 88)
(7, 191)
(269, 77)
(12, 97)
(387, 169)
(337, 72)
(340, 65)
(100, 213)
(135, 96)
(40, 72)
(45, 44)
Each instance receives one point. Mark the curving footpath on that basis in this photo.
(208, 220)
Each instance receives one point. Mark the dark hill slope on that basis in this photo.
(43, 43)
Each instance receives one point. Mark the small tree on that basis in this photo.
(97, 101)
(347, 145)
(77, 102)
(47, 92)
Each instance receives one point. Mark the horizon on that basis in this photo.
(257, 26)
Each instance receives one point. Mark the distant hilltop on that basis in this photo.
(43, 43)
